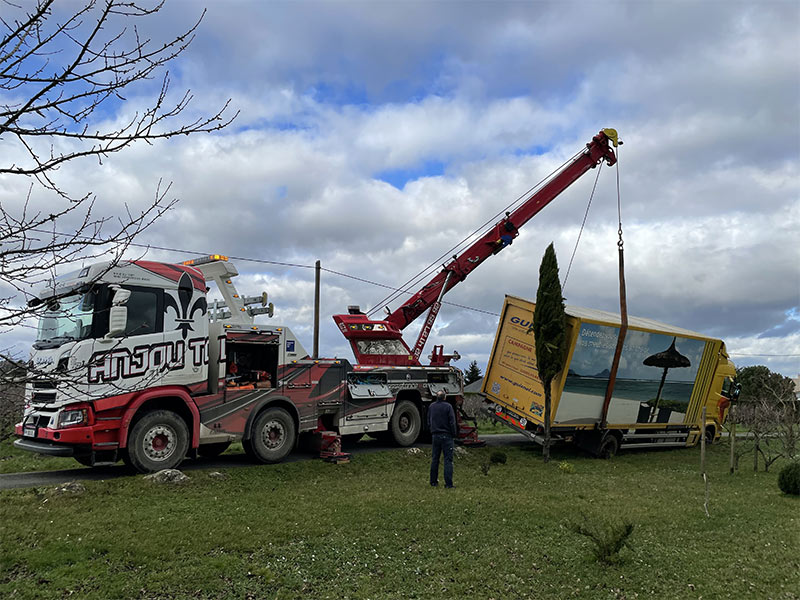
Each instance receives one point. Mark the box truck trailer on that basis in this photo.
(666, 376)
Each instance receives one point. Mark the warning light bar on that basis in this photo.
(205, 259)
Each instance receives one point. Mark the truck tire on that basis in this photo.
(213, 450)
(608, 447)
(272, 438)
(159, 440)
(709, 433)
(406, 423)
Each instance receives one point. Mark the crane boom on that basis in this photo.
(380, 341)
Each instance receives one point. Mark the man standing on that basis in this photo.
(442, 425)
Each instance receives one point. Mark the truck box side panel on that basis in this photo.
(640, 401)
(639, 398)
(512, 378)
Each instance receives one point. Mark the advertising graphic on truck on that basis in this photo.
(666, 376)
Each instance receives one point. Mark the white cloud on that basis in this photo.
(704, 97)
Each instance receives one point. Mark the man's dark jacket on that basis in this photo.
(441, 418)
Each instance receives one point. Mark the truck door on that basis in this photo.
(366, 405)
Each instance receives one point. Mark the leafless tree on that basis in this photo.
(63, 76)
(66, 71)
(769, 409)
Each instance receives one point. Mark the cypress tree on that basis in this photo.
(549, 333)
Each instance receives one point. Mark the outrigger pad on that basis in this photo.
(468, 436)
(331, 448)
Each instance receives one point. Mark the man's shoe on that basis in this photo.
(450, 487)
(434, 484)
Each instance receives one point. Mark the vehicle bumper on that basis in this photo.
(48, 448)
(71, 441)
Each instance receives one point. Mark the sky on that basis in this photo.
(375, 136)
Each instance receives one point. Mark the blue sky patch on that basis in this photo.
(399, 177)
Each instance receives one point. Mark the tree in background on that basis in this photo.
(65, 72)
(550, 333)
(769, 408)
(473, 373)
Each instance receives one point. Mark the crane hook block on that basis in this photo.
(612, 135)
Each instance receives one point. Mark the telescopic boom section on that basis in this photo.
(381, 342)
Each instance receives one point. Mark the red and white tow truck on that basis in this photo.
(133, 362)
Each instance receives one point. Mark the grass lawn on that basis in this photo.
(374, 529)
(21, 461)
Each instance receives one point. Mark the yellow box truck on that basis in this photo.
(666, 376)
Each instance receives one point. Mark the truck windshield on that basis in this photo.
(68, 319)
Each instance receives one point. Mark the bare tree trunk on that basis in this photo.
(733, 443)
(546, 447)
(703, 460)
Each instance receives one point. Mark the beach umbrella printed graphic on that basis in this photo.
(666, 359)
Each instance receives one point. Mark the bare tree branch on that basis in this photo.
(65, 68)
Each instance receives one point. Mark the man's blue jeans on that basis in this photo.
(442, 443)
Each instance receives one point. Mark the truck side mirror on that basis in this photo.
(118, 313)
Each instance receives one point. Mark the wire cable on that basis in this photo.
(481, 230)
(580, 232)
(282, 264)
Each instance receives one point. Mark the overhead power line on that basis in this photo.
(774, 355)
(286, 264)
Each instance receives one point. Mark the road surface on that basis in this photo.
(44, 478)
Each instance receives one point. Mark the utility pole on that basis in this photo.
(317, 269)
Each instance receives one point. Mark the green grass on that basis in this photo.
(19, 461)
(374, 529)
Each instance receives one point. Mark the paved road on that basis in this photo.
(44, 478)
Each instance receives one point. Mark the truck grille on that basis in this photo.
(43, 392)
(43, 397)
(38, 421)
(43, 384)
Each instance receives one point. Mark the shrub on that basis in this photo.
(608, 537)
(789, 479)
(498, 457)
(566, 467)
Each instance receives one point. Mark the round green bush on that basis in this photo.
(789, 479)
(498, 457)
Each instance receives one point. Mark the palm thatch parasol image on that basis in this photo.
(666, 359)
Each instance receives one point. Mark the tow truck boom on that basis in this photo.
(365, 335)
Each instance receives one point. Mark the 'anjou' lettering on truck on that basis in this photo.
(164, 356)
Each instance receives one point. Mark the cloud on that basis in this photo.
(333, 97)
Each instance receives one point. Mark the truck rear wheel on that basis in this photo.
(159, 440)
(608, 447)
(272, 437)
(406, 423)
(709, 433)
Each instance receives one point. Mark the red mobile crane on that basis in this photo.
(380, 342)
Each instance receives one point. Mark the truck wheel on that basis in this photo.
(213, 450)
(272, 437)
(709, 435)
(159, 440)
(406, 423)
(608, 447)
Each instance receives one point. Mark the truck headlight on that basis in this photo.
(68, 418)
